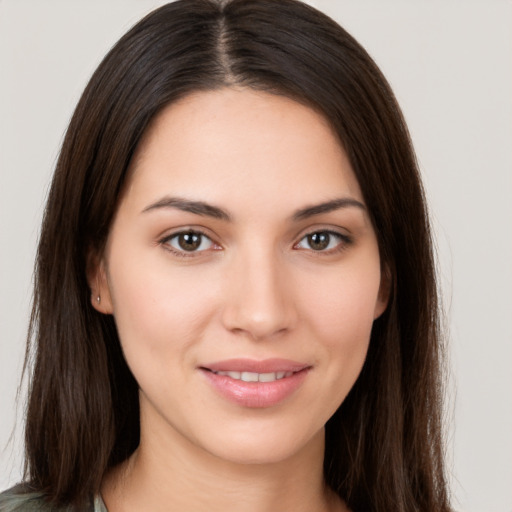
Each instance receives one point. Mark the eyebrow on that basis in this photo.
(187, 205)
(208, 210)
(329, 206)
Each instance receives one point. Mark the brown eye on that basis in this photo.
(323, 241)
(189, 241)
(319, 241)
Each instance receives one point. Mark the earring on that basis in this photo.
(98, 299)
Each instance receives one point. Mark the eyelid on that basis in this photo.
(164, 242)
(345, 240)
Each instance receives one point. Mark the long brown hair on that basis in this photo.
(383, 446)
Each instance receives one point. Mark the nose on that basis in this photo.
(259, 301)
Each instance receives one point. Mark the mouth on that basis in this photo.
(256, 384)
(255, 377)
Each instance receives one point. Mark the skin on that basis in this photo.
(255, 288)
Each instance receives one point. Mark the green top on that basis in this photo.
(18, 499)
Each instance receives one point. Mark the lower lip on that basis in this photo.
(256, 394)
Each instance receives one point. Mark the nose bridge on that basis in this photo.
(258, 303)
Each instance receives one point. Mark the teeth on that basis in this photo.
(256, 377)
(249, 377)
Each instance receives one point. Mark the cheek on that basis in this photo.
(159, 313)
(340, 316)
(341, 305)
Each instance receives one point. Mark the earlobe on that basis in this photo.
(101, 299)
(384, 292)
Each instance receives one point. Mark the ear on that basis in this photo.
(97, 277)
(384, 292)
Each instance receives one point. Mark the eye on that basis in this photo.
(188, 242)
(323, 241)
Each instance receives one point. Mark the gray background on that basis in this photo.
(450, 63)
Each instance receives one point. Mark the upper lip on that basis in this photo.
(256, 366)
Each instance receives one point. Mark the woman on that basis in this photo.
(235, 297)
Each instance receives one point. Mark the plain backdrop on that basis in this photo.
(450, 64)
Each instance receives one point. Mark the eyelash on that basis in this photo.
(343, 243)
(183, 253)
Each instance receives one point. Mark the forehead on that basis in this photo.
(228, 143)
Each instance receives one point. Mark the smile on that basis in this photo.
(256, 384)
(255, 377)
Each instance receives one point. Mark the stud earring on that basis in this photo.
(98, 299)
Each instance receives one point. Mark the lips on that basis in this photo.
(255, 384)
(256, 377)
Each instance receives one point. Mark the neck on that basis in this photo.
(171, 473)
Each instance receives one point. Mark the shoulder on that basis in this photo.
(21, 499)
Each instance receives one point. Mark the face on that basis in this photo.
(243, 274)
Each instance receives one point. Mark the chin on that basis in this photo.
(265, 447)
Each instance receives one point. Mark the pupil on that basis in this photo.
(189, 241)
(318, 241)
